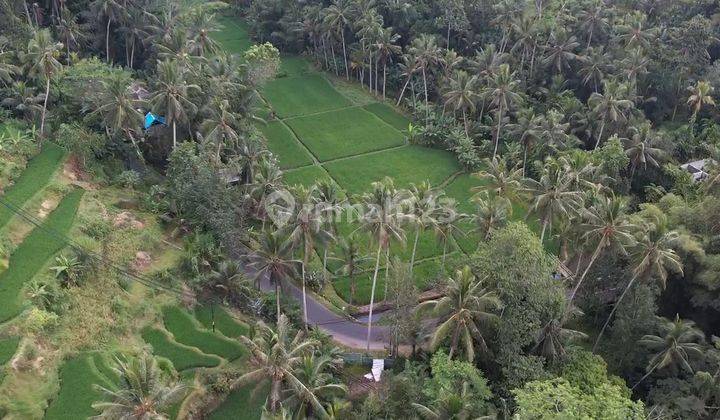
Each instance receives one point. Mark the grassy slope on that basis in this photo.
(31, 255)
(283, 144)
(386, 113)
(345, 132)
(239, 405)
(78, 378)
(183, 357)
(302, 95)
(187, 331)
(224, 323)
(405, 165)
(36, 175)
(8, 346)
(305, 176)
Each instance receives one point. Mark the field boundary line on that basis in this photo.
(372, 152)
(327, 111)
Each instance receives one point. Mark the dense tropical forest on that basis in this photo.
(359, 209)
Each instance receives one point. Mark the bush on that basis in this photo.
(128, 179)
(39, 320)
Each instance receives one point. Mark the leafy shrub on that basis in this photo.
(128, 179)
(39, 320)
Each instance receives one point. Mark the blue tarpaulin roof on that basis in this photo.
(152, 119)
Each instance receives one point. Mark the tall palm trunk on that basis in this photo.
(174, 134)
(332, 52)
(617, 303)
(595, 255)
(372, 294)
(465, 123)
(45, 102)
(277, 294)
(107, 40)
(327, 63)
(412, 259)
(384, 78)
(425, 86)
(304, 294)
(27, 13)
(645, 376)
(525, 152)
(370, 78)
(602, 128)
(542, 233)
(387, 272)
(132, 53)
(497, 134)
(347, 70)
(402, 91)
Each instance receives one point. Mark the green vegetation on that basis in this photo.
(182, 357)
(33, 179)
(187, 331)
(386, 113)
(224, 322)
(240, 405)
(355, 174)
(8, 347)
(78, 379)
(32, 254)
(302, 95)
(283, 144)
(306, 176)
(344, 133)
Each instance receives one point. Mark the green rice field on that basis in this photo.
(187, 331)
(183, 357)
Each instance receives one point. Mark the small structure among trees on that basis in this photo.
(698, 168)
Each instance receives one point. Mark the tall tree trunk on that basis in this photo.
(27, 13)
(412, 259)
(174, 134)
(590, 37)
(45, 102)
(347, 70)
(327, 63)
(542, 233)
(387, 271)
(372, 294)
(370, 78)
(107, 40)
(384, 78)
(332, 52)
(465, 123)
(377, 59)
(132, 53)
(425, 87)
(402, 91)
(525, 151)
(277, 296)
(454, 341)
(447, 40)
(351, 273)
(602, 127)
(617, 304)
(645, 376)
(304, 294)
(595, 255)
(497, 134)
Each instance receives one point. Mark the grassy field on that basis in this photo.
(78, 378)
(33, 179)
(183, 357)
(406, 165)
(345, 132)
(233, 35)
(386, 113)
(283, 144)
(305, 176)
(31, 255)
(224, 323)
(303, 95)
(291, 65)
(8, 347)
(186, 331)
(239, 405)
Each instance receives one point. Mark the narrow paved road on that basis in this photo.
(345, 331)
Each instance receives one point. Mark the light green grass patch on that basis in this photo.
(186, 330)
(182, 357)
(292, 65)
(30, 256)
(37, 174)
(306, 176)
(224, 323)
(343, 133)
(8, 347)
(363, 287)
(78, 380)
(291, 96)
(406, 165)
(283, 144)
(240, 405)
(388, 114)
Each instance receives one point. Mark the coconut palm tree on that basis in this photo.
(201, 25)
(527, 131)
(119, 109)
(172, 96)
(337, 17)
(253, 163)
(142, 392)
(306, 227)
(680, 341)
(493, 212)
(593, 20)
(560, 51)
(427, 54)
(609, 105)
(525, 32)
(595, 64)
(464, 313)
(387, 48)
(448, 222)
(24, 101)
(8, 70)
(449, 406)
(635, 32)
(70, 31)
(315, 373)
(276, 356)
(424, 201)
(700, 96)
(272, 259)
(228, 280)
(500, 180)
(134, 27)
(461, 95)
(111, 11)
(329, 202)
(553, 199)
(383, 221)
(608, 225)
(639, 148)
(42, 61)
(554, 337)
(220, 126)
(653, 256)
(350, 259)
(504, 95)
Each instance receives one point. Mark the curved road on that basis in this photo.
(343, 330)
